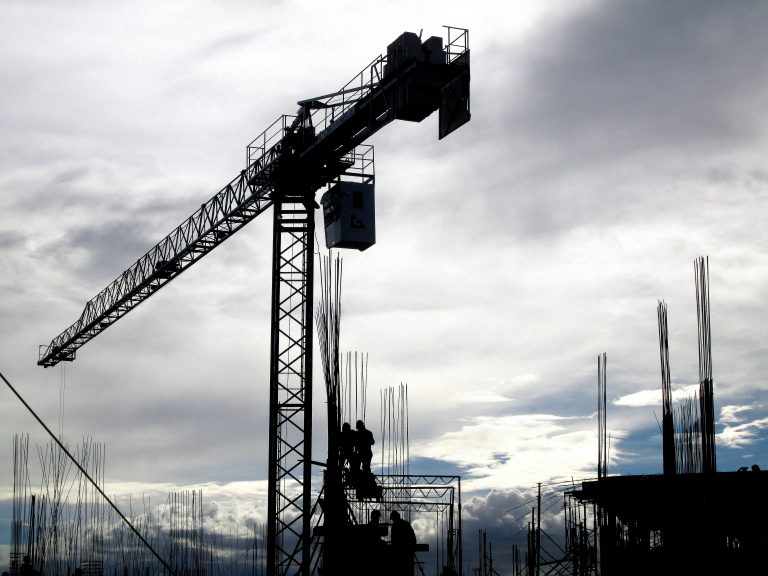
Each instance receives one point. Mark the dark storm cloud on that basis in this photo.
(611, 114)
(98, 253)
(648, 74)
(504, 516)
(10, 240)
(99, 217)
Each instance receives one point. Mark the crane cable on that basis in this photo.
(88, 477)
(62, 390)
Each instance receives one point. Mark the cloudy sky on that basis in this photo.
(611, 143)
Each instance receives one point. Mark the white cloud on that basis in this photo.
(732, 414)
(653, 397)
(638, 399)
(516, 450)
(741, 435)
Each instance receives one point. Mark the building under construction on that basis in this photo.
(691, 519)
(704, 523)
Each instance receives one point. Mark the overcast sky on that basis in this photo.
(611, 143)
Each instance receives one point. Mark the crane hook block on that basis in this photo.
(349, 215)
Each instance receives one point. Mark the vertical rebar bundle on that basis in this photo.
(602, 423)
(688, 452)
(482, 554)
(395, 452)
(185, 545)
(346, 380)
(20, 501)
(667, 420)
(581, 540)
(354, 387)
(328, 323)
(62, 526)
(65, 525)
(706, 389)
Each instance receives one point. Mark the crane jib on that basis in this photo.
(401, 86)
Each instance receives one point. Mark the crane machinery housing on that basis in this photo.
(321, 146)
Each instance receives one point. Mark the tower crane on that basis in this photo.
(321, 146)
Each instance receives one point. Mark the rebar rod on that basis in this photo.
(668, 428)
(706, 392)
(85, 474)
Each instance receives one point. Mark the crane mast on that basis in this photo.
(287, 164)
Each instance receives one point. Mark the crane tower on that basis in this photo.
(320, 147)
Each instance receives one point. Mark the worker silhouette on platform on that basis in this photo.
(403, 542)
(375, 547)
(26, 567)
(347, 453)
(364, 480)
(363, 442)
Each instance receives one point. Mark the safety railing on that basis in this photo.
(258, 149)
(457, 43)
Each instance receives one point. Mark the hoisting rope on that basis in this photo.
(88, 477)
(62, 390)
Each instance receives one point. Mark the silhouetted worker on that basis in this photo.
(374, 545)
(755, 468)
(26, 567)
(346, 445)
(375, 519)
(363, 442)
(403, 542)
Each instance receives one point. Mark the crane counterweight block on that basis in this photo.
(439, 80)
(454, 101)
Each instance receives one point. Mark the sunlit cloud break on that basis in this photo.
(742, 435)
(516, 449)
(645, 398)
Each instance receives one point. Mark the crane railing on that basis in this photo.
(457, 43)
(258, 150)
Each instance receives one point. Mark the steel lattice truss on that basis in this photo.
(290, 436)
(245, 197)
(216, 220)
(425, 497)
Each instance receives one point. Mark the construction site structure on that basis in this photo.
(321, 146)
(692, 519)
(670, 524)
(63, 525)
